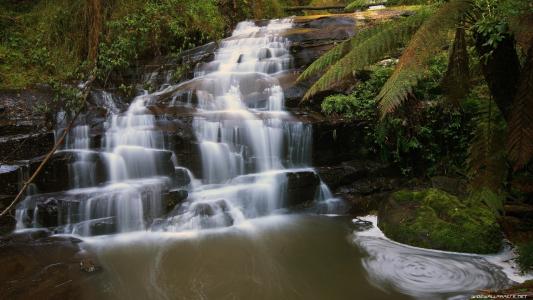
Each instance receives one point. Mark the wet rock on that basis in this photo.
(10, 176)
(335, 142)
(301, 187)
(26, 146)
(7, 224)
(57, 174)
(348, 172)
(48, 213)
(103, 226)
(173, 198)
(362, 225)
(88, 265)
(203, 209)
(38, 265)
(181, 177)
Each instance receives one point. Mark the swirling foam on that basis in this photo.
(426, 274)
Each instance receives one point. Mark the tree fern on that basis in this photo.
(486, 157)
(427, 41)
(520, 140)
(371, 46)
(457, 77)
(336, 53)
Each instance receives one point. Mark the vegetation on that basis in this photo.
(437, 220)
(61, 41)
(525, 256)
(426, 104)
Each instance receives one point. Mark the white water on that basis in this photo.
(248, 146)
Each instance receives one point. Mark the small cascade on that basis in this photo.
(254, 155)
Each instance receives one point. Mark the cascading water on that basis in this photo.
(254, 163)
(252, 151)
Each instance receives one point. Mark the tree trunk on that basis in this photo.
(94, 24)
(501, 69)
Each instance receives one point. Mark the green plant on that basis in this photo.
(525, 256)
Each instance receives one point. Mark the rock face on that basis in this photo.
(437, 220)
(301, 187)
(38, 265)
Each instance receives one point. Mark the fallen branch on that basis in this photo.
(85, 93)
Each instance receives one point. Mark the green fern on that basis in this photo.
(427, 41)
(486, 157)
(357, 4)
(369, 47)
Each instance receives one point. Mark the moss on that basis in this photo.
(525, 257)
(437, 220)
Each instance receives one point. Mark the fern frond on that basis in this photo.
(336, 53)
(427, 41)
(457, 78)
(486, 158)
(520, 140)
(357, 4)
(373, 45)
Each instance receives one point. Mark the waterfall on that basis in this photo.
(254, 155)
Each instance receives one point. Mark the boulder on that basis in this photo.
(434, 219)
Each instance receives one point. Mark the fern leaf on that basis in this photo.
(427, 41)
(457, 77)
(335, 54)
(520, 140)
(486, 158)
(357, 4)
(373, 45)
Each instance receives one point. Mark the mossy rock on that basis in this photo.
(437, 220)
(525, 257)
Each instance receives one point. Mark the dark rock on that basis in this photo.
(26, 146)
(10, 177)
(56, 174)
(302, 187)
(203, 209)
(362, 225)
(454, 186)
(348, 172)
(173, 199)
(7, 224)
(48, 213)
(181, 177)
(103, 226)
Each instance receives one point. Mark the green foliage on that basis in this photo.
(426, 42)
(437, 220)
(426, 139)
(361, 104)
(157, 28)
(525, 257)
(364, 49)
(489, 198)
